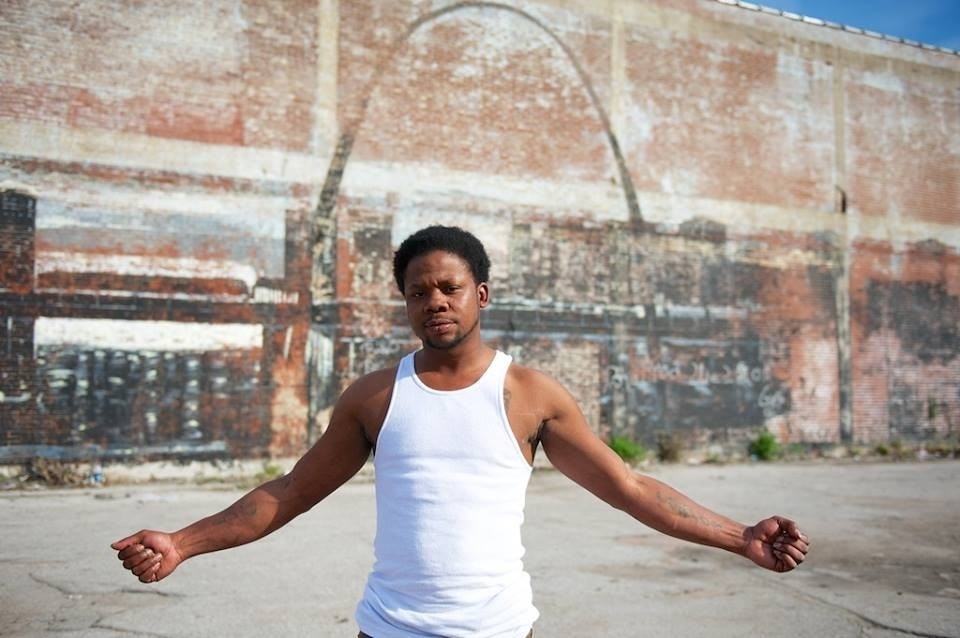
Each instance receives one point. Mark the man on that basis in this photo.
(454, 428)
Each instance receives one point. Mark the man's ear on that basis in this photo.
(483, 294)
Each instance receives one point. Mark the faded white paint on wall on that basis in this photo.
(565, 199)
(570, 199)
(251, 215)
(147, 266)
(145, 152)
(146, 335)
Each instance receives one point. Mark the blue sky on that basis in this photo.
(929, 21)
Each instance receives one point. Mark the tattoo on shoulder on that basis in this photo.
(506, 399)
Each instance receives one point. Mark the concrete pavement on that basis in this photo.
(885, 560)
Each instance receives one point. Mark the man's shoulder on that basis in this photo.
(527, 378)
(372, 385)
(377, 377)
(536, 392)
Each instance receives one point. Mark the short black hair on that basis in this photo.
(451, 239)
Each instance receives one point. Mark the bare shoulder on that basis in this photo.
(371, 384)
(374, 387)
(526, 379)
(550, 395)
(365, 401)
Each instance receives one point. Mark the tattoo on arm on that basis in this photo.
(506, 400)
(234, 513)
(683, 511)
(226, 517)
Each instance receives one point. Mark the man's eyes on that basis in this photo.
(448, 290)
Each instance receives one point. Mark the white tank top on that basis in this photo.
(451, 486)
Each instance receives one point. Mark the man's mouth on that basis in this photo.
(439, 326)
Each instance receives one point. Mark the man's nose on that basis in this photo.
(436, 301)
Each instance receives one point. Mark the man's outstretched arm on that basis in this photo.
(774, 543)
(338, 455)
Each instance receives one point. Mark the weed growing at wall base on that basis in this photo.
(628, 449)
(270, 471)
(764, 447)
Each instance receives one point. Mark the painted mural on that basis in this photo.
(114, 350)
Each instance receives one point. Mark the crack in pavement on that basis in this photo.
(54, 586)
(151, 592)
(125, 631)
(123, 590)
(874, 623)
(101, 619)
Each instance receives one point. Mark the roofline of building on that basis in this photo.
(836, 25)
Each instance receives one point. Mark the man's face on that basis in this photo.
(443, 301)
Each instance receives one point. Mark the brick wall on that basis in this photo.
(703, 219)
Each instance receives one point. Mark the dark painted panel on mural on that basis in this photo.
(723, 384)
(17, 367)
(703, 229)
(17, 240)
(699, 385)
(18, 416)
(923, 315)
(911, 413)
(725, 283)
(927, 320)
(115, 403)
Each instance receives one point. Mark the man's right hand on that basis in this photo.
(150, 556)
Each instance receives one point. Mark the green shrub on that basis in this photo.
(628, 449)
(764, 447)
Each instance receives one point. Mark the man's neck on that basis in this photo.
(455, 368)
